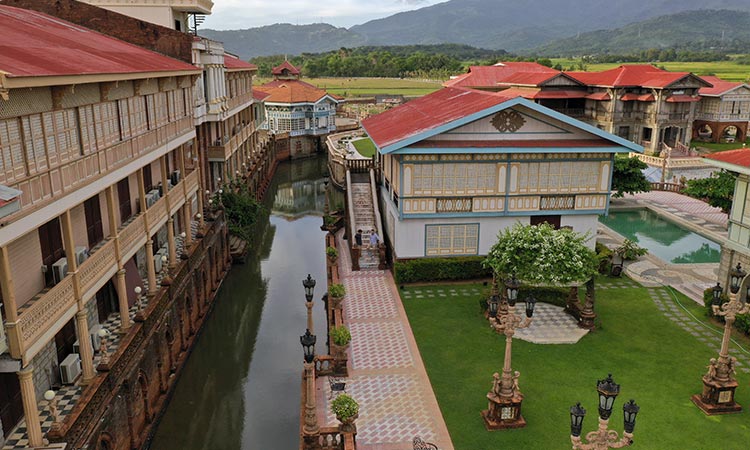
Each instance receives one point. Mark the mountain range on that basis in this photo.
(513, 25)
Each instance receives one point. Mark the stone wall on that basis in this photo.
(729, 259)
(160, 39)
(46, 369)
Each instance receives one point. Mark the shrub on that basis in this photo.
(604, 258)
(440, 269)
(742, 323)
(552, 295)
(630, 251)
(344, 407)
(332, 252)
(336, 290)
(341, 335)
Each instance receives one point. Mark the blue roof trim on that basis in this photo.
(505, 105)
(506, 150)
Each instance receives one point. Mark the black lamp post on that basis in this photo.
(309, 285)
(511, 290)
(530, 303)
(310, 429)
(308, 346)
(736, 275)
(493, 305)
(603, 437)
(716, 291)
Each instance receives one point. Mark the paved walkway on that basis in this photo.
(386, 373)
(695, 215)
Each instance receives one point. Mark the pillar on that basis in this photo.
(30, 408)
(8, 290)
(87, 353)
(150, 267)
(187, 216)
(171, 243)
(122, 297)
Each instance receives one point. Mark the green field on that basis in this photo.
(656, 363)
(712, 147)
(366, 87)
(727, 70)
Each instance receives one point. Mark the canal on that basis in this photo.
(240, 388)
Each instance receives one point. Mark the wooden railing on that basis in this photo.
(224, 152)
(669, 187)
(241, 99)
(44, 313)
(360, 165)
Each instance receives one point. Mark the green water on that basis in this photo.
(663, 239)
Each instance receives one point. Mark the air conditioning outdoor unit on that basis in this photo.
(157, 263)
(60, 269)
(175, 177)
(151, 198)
(82, 254)
(70, 368)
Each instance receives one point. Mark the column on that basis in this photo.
(30, 408)
(187, 219)
(150, 267)
(171, 244)
(87, 353)
(122, 300)
(9, 298)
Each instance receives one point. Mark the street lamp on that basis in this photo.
(603, 438)
(167, 280)
(309, 285)
(310, 430)
(505, 397)
(52, 402)
(104, 357)
(719, 383)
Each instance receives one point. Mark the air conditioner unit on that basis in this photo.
(151, 198)
(70, 368)
(157, 263)
(174, 177)
(82, 254)
(60, 269)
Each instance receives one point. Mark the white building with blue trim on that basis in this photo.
(460, 165)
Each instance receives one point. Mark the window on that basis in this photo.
(12, 165)
(451, 239)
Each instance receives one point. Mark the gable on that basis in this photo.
(688, 82)
(562, 80)
(739, 94)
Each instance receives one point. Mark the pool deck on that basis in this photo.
(696, 216)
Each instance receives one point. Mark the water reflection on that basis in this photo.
(663, 238)
(240, 388)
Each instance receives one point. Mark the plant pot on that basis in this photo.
(332, 260)
(339, 351)
(336, 302)
(347, 425)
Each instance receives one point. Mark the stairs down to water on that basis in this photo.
(364, 218)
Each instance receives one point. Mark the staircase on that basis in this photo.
(364, 218)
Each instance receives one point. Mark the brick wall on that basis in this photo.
(46, 369)
(153, 37)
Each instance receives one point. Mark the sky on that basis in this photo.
(240, 14)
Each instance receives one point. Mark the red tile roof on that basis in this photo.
(259, 95)
(426, 113)
(633, 97)
(682, 98)
(285, 65)
(529, 73)
(630, 75)
(232, 62)
(600, 96)
(719, 86)
(291, 91)
(539, 94)
(739, 157)
(35, 44)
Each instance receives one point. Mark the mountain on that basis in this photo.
(694, 30)
(519, 25)
(285, 38)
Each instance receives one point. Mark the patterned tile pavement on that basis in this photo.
(386, 373)
(66, 397)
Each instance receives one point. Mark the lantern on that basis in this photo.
(608, 391)
(308, 346)
(530, 303)
(493, 304)
(736, 275)
(577, 413)
(629, 411)
(511, 290)
(309, 285)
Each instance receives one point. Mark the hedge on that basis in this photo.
(440, 269)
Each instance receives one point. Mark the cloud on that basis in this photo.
(240, 14)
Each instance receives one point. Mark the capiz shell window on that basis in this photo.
(446, 240)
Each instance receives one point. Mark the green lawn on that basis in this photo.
(720, 147)
(365, 147)
(660, 367)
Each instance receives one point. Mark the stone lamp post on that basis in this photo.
(719, 383)
(310, 429)
(104, 359)
(603, 438)
(505, 397)
(309, 285)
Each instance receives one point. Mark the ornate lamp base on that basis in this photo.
(717, 397)
(503, 413)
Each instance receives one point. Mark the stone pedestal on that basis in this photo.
(503, 413)
(717, 397)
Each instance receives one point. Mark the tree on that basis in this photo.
(628, 178)
(539, 254)
(717, 190)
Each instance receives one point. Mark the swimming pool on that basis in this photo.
(664, 239)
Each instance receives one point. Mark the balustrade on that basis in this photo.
(454, 204)
(49, 308)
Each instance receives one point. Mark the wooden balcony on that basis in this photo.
(221, 153)
(242, 99)
(723, 117)
(52, 309)
(44, 187)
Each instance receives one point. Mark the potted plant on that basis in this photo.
(336, 294)
(332, 254)
(340, 338)
(346, 410)
(630, 251)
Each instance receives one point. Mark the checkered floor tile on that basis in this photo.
(66, 398)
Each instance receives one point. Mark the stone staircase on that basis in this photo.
(364, 218)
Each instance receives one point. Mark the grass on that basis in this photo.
(656, 363)
(365, 147)
(713, 147)
(727, 70)
(367, 87)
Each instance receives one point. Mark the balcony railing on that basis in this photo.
(741, 117)
(225, 151)
(44, 314)
(241, 99)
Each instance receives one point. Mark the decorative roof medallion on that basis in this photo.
(508, 121)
